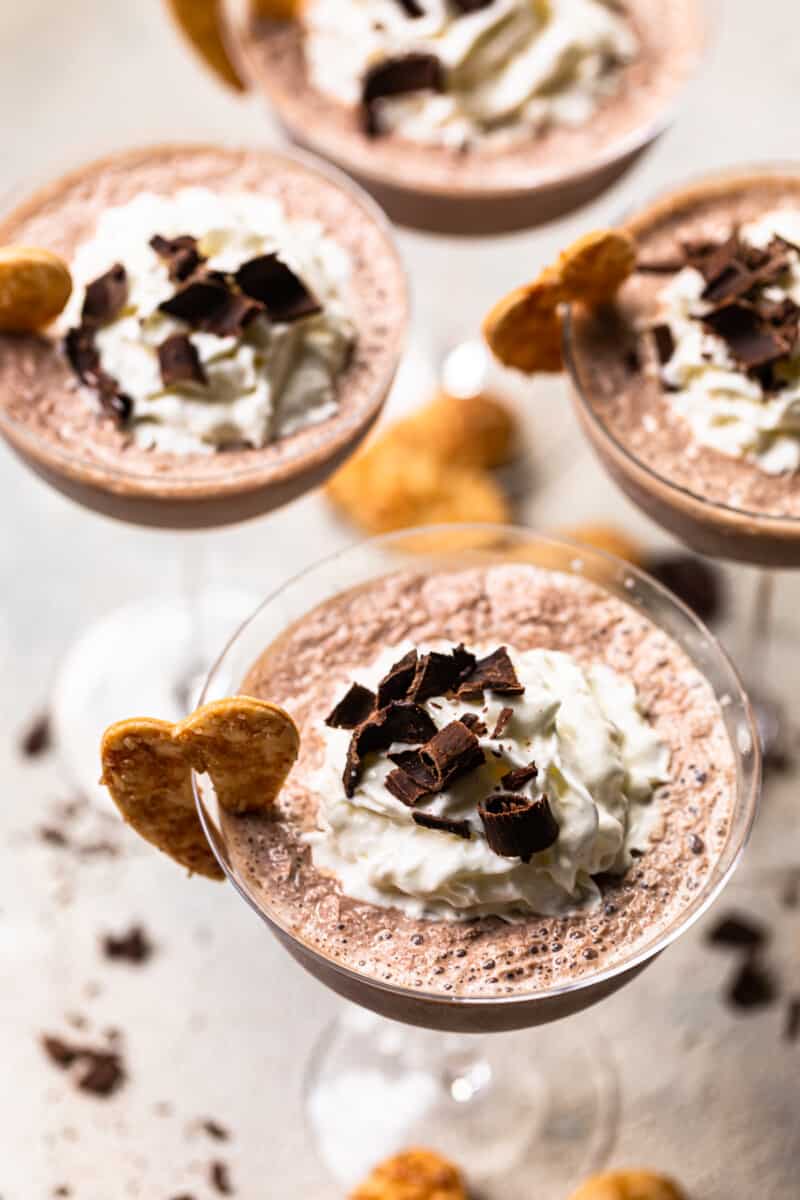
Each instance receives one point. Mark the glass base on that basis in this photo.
(143, 659)
(490, 1103)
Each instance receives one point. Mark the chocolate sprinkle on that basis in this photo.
(502, 722)
(397, 681)
(453, 751)
(274, 284)
(180, 254)
(105, 297)
(353, 709)
(179, 361)
(445, 824)
(495, 672)
(514, 781)
(517, 827)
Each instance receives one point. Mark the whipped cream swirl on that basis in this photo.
(598, 760)
(511, 66)
(727, 409)
(271, 380)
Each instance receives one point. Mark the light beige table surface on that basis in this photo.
(219, 1023)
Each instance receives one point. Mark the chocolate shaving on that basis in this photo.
(180, 254)
(233, 315)
(438, 674)
(133, 947)
(400, 721)
(751, 342)
(473, 722)
(502, 722)
(353, 709)
(397, 681)
(105, 297)
(514, 781)
(398, 76)
(665, 342)
(461, 829)
(453, 751)
(405, 788)
(220, 1178)
(99, 1071)
(84, 358)
(274, 284)
(198, 301)
(495, 672)
(517, 827)
(179, 361)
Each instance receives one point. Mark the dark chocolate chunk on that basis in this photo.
(416, 72)
(696, 582)
(100, 1071)
(82, 354)
(753, 986)
(454, 751)
(180, 254)
(738, 932)
(473, 722)
(411, 762)
(514, 781)
(502, 722)
(400, 721)
(179, 361)
(495, 672)
(133, 946)
(105, 297)
(353, 709)
(37, 738)
(437, 673)
(517, 827)
(274, 284)
(197, 302)
(665, 342)
(397, 681)
(405, 787)
(751, 342)
(461, 829)
(233, 315)
(220, 1179)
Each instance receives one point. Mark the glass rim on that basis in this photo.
(622, 147)
(176, 482)
(749, 802)
(788, 169)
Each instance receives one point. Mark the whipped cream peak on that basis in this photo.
(573, 736)
(511, 67)
(749, 414)
(258, 380)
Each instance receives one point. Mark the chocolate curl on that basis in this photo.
(444, 824)
(514, 781)
(437, 674)
(105, 297)
(495, 672)
(398, 679)
(517, 827)
(179, 361)
(453, 752)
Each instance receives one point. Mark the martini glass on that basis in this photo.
(473, 1076)
(721, 530)
(152, 655)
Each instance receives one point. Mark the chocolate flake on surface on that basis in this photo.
(738, 932)
(452, 752)
(179, 361)
(437, 674)
(133, 947)
(411, 762)
(517, 827)
(180, 254)
(495, 672)
(416, 72)
(502, 722)
(514, 781)
(353, 709)
(105, 297)
(273, 283)
(444, 824)
(38, 737)
(398, 679)
(400, 721)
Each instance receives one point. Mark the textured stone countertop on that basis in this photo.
(218, 1023)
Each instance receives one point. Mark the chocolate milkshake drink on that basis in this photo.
(234, 326)
(514, 784)
(473, 117)
(688, 384)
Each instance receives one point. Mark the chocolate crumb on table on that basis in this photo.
(98, 1071)
(735, 931)
(753, 986)
(133, 947)
(37, 739)
(220, 1178)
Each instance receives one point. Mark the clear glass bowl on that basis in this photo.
(454, 547)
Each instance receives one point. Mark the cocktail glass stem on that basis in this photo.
(489, 1102)
(769, 711)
